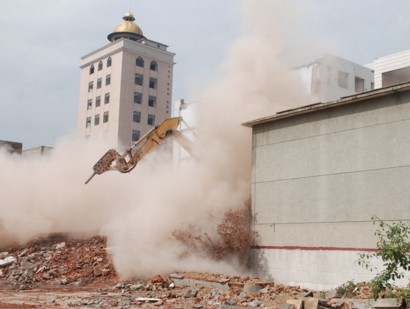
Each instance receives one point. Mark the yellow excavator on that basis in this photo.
(125, 162)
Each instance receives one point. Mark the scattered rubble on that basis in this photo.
(59, 272)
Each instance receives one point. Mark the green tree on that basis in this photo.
(393, 248)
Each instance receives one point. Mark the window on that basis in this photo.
(358, 84)
(92, 69)
(135, 135)
(89, 104)
(136, 117)
(152, 101)
(139, 62)
(88, 122)
(137, 97)
(139, 79)
(97, 119)
(105, 117)
(107, 98)
(100, 66)
(97, 101)
(99, 83)
(153, 66)
(342, 79)
(151, 120)
(153, 83)
(109, 62)
(90, 86)
(108, 80)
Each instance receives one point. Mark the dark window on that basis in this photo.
(99, 82)
(342, 79)
(108, 80)
(92, 69)
(151, 120)
(88, 122)
(89, 104)
(153, 66)
(135, 135)
(139, 79)
(100, 66)
(109, 62)
(107, 98)
(136, 117)
(137, 97)
(97, 119)
(139, 62)
(105, 117)
(90, 86)
(152, 101)
(97, 101)
(153, 83)
(358, 84)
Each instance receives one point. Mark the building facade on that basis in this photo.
(330, 78)
(391, 69)
(125, 86)
(319, 174)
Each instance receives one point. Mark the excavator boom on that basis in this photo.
(125, 162)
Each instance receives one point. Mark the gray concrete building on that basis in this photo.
(319, 174)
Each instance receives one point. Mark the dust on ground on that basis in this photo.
(59, 272)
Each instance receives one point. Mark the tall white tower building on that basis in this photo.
(125, 87)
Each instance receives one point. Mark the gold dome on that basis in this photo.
(128, 25)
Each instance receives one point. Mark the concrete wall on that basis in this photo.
(317, 180)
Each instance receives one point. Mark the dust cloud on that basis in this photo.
(138, 212)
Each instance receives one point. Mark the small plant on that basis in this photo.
(348, 289)
(393, 248)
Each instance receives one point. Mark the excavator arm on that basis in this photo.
(125, 162)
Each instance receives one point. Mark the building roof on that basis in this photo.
(321, 106)
(127, 28)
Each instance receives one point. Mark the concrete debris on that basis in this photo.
(62, 273)
(7, 261)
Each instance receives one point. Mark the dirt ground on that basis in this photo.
(63, 273)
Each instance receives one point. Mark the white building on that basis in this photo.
(330, 78)
(125, 87)
(391, 69)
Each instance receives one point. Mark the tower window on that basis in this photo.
(139, 79)
(97, 101)
(88, 122)
(152, 101)
(90, 86)
(100, 66)
(139, 62)
(153, 83)
(135, 135)
(358, 84)
(107, 98)
(151, 120)
(92, 69)
(153, 66)
(97, 119)
(137, 97)
(342, 79)
(89, 104)
(105, 117)
(109, 61)
(99, 83)
(136, 116)
(108, 80)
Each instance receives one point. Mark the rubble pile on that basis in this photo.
(233, 236)
(55, 261)
(58, 272)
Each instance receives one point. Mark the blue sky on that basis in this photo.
(43, 40)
